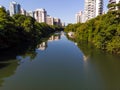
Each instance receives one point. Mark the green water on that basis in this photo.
(60, 64)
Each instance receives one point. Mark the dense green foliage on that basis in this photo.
(20, 28)
(103, 31)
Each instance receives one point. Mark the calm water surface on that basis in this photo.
(60, 64)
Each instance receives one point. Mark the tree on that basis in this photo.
(103, 31)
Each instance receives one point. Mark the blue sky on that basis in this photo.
(63, 9)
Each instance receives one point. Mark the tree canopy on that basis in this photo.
(103, 31)
(20, 28)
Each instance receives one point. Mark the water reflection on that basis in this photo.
(23, 59)
(61, 64)
(101, 64)
(85, 58)
(30, 55)
(85, 55)
(55, 37)
(42, 46)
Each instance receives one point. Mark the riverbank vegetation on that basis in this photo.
(20, 28)
(103, 31)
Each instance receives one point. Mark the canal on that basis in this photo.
(61, 64)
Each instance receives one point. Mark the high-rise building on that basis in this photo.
(31, 13)
(89, 11)
(14, 8)
(79, 17)
(114, 2)
(63, 24)
(111, 1)
(40, 15)
(50, 20)
(57, 22)
(118, 8)
(99, 7)
(92, 9)
(22, 11)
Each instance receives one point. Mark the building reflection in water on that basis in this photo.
(63, 33)
(85, 58)
(54, 37)
(76, 43)
(23, 59)
(42, 46)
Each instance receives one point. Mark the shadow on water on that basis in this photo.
(7, 70)
(8, 62)
(23, 49)
(9, 58)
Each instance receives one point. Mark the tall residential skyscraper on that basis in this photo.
(99, 7)
(22, 11)
(40, 15)
(92, 9)
(114, 2)
(110, 1)
(31, 13)
(14, 8)
(117, 1)
(79, 17)
(50, 20)
(57, 22)
(89, 11)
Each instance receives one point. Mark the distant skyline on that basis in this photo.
(63, 9)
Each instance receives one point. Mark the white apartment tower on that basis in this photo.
(92, 9)
(57, 22)
(50, 20)
(79, 17)
(40, 15)
(117, 1)
(99, 7)
(14, 8)
(114, 2)
(31, 13)
(89, 11)
(23, 12)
